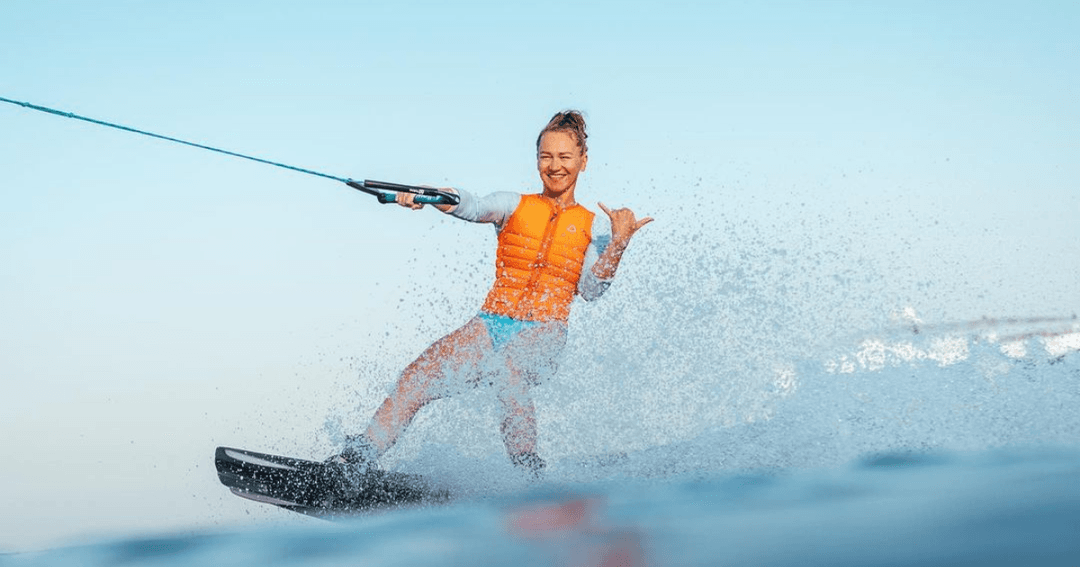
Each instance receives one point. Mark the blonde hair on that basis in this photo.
(570, 121)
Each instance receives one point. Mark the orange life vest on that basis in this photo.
(538, 262)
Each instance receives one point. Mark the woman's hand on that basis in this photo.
(408, 200)
(623, 225)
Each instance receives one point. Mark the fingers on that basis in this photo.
(625, 215)
(408, 200)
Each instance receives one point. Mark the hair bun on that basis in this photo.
(571, 121)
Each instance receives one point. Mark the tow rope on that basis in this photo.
(382, 190)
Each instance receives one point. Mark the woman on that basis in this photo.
(550, 249)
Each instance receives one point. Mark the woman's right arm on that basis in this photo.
(492, 208)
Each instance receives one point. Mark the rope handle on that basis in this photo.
(384, 192)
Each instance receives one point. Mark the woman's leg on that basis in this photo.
(530, 356)
(518, 423)
(417, 385)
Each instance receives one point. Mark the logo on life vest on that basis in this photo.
(571, 228)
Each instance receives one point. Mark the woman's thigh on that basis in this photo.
(448, 363)
(533, 355)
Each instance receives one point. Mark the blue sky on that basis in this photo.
(158, 300)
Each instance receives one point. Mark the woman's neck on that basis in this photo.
(563, 200)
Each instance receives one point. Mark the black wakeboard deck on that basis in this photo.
(324, 490)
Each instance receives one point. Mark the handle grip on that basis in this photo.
(386, 198)
(384, 192)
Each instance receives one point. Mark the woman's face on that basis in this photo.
(559, 161)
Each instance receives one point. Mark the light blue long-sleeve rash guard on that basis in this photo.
(497, 207)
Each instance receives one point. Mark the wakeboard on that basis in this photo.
(323, 490)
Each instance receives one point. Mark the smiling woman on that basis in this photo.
(562, 154)
(550, 249)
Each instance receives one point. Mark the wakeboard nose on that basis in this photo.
(320, 489)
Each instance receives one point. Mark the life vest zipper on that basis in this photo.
(541, 262)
